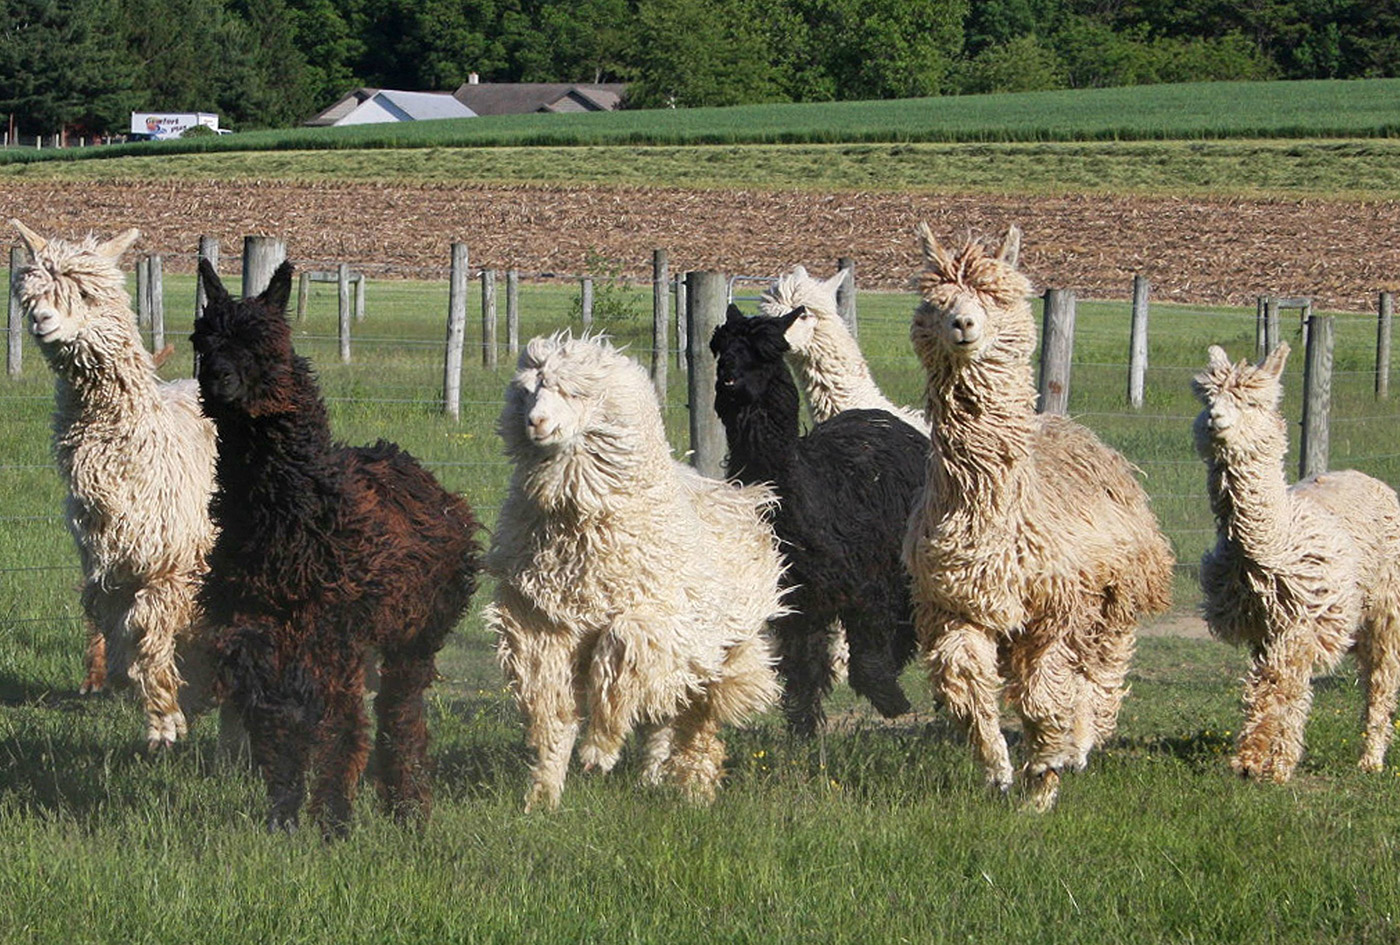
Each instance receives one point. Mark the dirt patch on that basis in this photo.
(1202, 251)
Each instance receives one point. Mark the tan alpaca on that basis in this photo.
(1300, 574)
(835, 375)
(1035, 552)
(632, 591)
(137, 456)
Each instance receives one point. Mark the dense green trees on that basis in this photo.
(83, 64)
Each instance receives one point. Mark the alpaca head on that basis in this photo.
(816, 298)
(1241, 405)
(749, 357)
(973, 304)
(75, 294)
(573, 395)
(245, 347)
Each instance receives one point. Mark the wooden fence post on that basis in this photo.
(143, 292)
(1270, 323)
(303, 292)
(586, 302)
(1261, 327)
(208, 249)
(14, 360)
(846, 294)
(1137, 347)
(156, 271)
(359, 297)
(456, 332)
(1056, 350)
(1317, 397)
(513, 314)
(660, 319)
(706, 294)
(488, 318)
(682, 316)
(261, 257)
(1383, 346)
(342, 284)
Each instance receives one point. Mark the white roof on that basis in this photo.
(393, 105)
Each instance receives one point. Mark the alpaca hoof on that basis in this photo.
(1044, 793)
(282, 823)
(158, 745)
(1262, 768)
(1371, 765)
(893, 706)
(594, 757)
(540, 797)
(92, 685)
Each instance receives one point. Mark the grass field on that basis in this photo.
(1352, 169)
(877, 832)
(1303, 109)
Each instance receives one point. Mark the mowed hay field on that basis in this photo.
(875, 832)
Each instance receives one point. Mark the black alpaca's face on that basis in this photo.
(748, 356)
(244, 347)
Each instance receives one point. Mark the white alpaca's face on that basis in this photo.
(542, 412)
(63, 287)
(957, 323)
(800, 333)
(1240, 403)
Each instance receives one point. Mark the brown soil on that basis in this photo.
(1219, 251)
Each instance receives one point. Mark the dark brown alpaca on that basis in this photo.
(324, 553)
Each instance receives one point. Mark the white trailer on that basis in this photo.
(157, 126)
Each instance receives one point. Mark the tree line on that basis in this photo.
(85, 64)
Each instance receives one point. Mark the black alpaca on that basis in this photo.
(324, 552)
(845, 491)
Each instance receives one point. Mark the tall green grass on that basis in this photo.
(1303, 109)
(876, 832)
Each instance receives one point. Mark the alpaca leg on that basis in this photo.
(1277, 698)
(805, 666)
(1378, 653)
(616, 687)
(342, 748)
(962, 662)
(401, 743)
(1102, 658)
(281, 743)
(1056, 710)
(697, 757)
(540, 669)
(873, 672)
(657, 741)
(94, 662)
(158, 612)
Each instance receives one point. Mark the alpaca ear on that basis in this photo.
(929, 244)
(799, 272)
(32, 241)
(833, 285)
(1010, 252)
(787, 320)
(733, 314)
(119, 244)
(213, 285)
(1272, 365)
(1219, 360)
(279, 289)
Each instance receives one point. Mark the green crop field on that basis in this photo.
(876, 832)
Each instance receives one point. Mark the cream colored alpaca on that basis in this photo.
(631, 589)
(1035, 552)
(138, 458)
(1300, 574)
(834, 373)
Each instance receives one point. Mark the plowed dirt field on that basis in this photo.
(1217, 251)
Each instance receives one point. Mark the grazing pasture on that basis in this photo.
(877, 831)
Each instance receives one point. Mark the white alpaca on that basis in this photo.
(1299, 573)
(137, 456)
(834, 374)
(631, 589)
(1036, 551)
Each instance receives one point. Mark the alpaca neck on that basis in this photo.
(762, 435)
(835, 374)
(109, 388)
(280, 452)
(1249, 496)
(984, 415)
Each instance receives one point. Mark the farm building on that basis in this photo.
(519, 98)
(371, 106)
